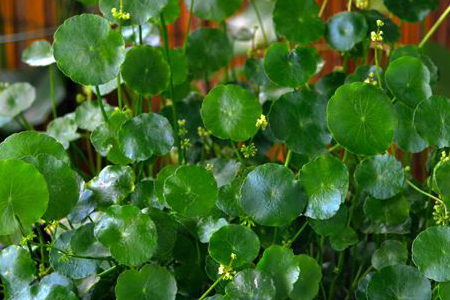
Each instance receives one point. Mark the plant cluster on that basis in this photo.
(267, 182)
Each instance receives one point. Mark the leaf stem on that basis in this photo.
(28, 125)
(81, 256)
(188, 29)
(349, 5)
(423, 192)
(260, 21)
(322, 8)
(338, 273)
(140, 35)
(100, 103)
(291, 241)
(107, 272)
(337, 146)
(435, 27)
(211, 287)
(119, 88)
(288, 158)
(377, 66)
(52, 90)
(233, 146)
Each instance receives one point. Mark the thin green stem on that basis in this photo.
(140, 35)
(336, 277)
(107, 272)
(288, 158)
(100, 103)
(322, 8)
(435, 27)
(423, 192)
(207, 83)
(119, 87)
(260, 21)
(337, 146)
(52, 90)
(349, 5)
(236, 151)
(211, 287)
(28, 125)
(188, 29)
(22, 232)
(174, 108)
(82, 256)
(291, 241)
(377, 66)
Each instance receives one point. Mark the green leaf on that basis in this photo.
(364, 72)
(207, 226)
(144, 195)
(104, 138)
(64, 129)
(331, 226)
(191, 191)
(216, 10)
(299, 120)
(394, 211)
(412, 10)
(399, 282)
(38, 54)
(84, 242)
(391, 31)
(254, 71)
(344, 239)
(231, 112)
(145, 70)
(430, 253)
(444, 290)
(442, 178)
(251, 284)
(208, 49)
(32, 143)
(166, 227)
(344, 30)
(406, 136)
(361, 118)
(229, 199)
(382, 176)
(23, 195)
(63, 185)
(409, 80)
(307, 285)
(16, 98)
(271, 196)
(140, 10)
(67, 265)
(329, 83)
(224, 170)
(282, 265)
(234, 239)
(431, 119)
(178, 64)
(88, 115)
(87, 50)
(171, 13)
(112, 185)
(146, 135)
(129, 234)
(16, 269)
(325, 181)
(290, 69)
(163, 174)
(46, 290)
(390, 253)
(298, 20)
(150, 283)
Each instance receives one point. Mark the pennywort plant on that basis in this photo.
(269, 181)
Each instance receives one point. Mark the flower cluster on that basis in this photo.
(371, 79)
(362, 4)
(248, 150)
(120, 15)
(262, 122)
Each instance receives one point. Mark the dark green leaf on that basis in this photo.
(329, 83)
(390, 253)
(406, 136)
(331, 226)
(412, 10)
(16, 269)
(166, 228)
(216, 10)
(344, 239)
(307, 285)
(251, 284)
(163, 174)
(394, 211)
(144, 195)
(391, 31)
(344, 30)
(442, 178)
(83, 242)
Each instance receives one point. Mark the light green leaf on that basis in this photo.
(140, 10)
(344, 30)
(307, 285)
(64, 129)
(390, 253)
(251, 284)
(38, 54)
(16, 98)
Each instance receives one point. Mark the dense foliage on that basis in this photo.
(209, 181)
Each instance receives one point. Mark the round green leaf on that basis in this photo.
(140, 10)
(166, 227)
(70, 266)
(129, 234)
(16, 269)
(251, 285)
(47, 290)
(307, 285)
(254, 71)
(191, 191)
(409, 80)
(38, 54)
(299, 119)
(325, 181)
(231, 112)
(344, 30)
(32, 143)
(144, 195)
(431, 253)
(163, 174)
(16, 98)
(146, 135)
(88, 115)
(271, 196)
(229, 198)
(145, 70)
(390, 253)
(298, 20)
(112, 185)
(432, 120)
(63, 185)
(344, 239)
(329, 83)
(234, 239)
(207, 226)
(178, 64)
(331, 226)
(412, 10)
(394, 211)
(290, 69)
(63, 129)
(216, 10)
(87, 50)
(83, 242)
(361, 118)
(282, 265)
(399, 282)
(406, 136)
(224, 170)
(171, 13)
(150, 283)
(442, 178)
(23, 195)
(208, 49)
(382, 176)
